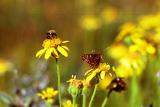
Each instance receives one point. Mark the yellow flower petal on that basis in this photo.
(40, 52)
(62, 51)
(150, 49)
(90, 77)
(102, 74)
(39, 94)
(88, 71)
(5, 66)
(65, 47)
(67, 103)
(47, 43)
(55, 52)
(48, 53)
(65, 41)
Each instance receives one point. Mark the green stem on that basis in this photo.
(84, 94)
(48, 104)
(135, 95)
(84, 101)
(106, 99)
(59, 83)
(74, 101)
(93, 95)
(104, 102)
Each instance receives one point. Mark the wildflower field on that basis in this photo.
(81, 53)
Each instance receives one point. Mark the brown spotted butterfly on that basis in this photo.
(92, 59)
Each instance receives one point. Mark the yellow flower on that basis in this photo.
(90, 22)
(53, 47)
(142, 46)
(149, 21)
(130, 65)
(117, 51)
(67, 103)
(75, 86)
(48, 94)
(5, 66)
(103, 84)
(100, 72)
(155, 38)
(110, 14)
(135, 42)
(76, 82)
(126, 29)
(129, 58)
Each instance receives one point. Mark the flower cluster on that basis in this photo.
(98, 73)
(93, 20)
(135, 43)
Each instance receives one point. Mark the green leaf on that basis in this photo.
(5, 98)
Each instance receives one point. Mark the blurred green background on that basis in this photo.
(89, 25)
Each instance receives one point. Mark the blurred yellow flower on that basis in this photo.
(53, 47)
(117, 50)
(126, 29)
(156, 38)
(48, 94)
(67, 103)
(134, 43)
(100, 72)
(142, 46)
(150, 21)
(124, 70)
(90, 22)
(4, 66)
(130, 65)
(109, 14)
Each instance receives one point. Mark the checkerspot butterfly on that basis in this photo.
(92, 59)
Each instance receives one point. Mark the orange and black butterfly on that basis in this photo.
(51, 34)
(92, 59)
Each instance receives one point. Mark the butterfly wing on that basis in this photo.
(92, 59)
